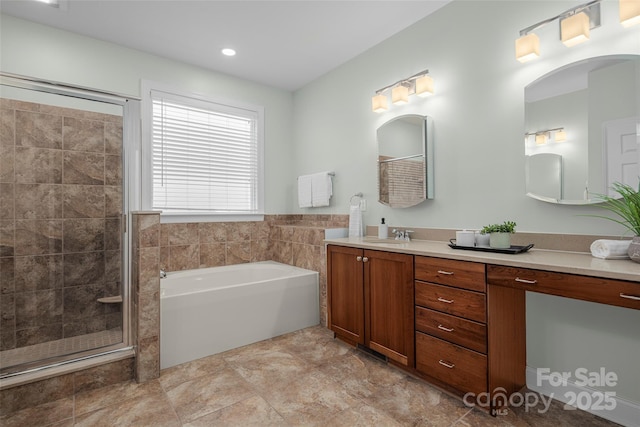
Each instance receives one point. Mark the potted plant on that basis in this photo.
(627, 207)
(500, 234)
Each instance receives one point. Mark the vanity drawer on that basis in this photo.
(461, 274)
(467, 304)
(587, 288)
(459, 331)
(459, 367)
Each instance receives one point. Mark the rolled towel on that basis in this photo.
(355, 221)
(610, 249)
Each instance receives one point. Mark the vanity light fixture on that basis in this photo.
(575, 25)
(561, 135)
(541, 138)
(629, 12)
(400, 94)
(379, 103)
(424, 86)
(527, 47)
(574, 29)
(420, 84)
(544, 136)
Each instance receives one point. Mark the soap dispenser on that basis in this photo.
(383, 230)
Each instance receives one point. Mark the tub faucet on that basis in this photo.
(163, 273)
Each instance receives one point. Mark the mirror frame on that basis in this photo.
(427, 154)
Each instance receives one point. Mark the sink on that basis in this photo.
(385, 241)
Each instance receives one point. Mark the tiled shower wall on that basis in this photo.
(60, 209)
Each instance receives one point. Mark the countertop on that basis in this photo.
(537, 259)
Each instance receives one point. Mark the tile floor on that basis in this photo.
(303, 378)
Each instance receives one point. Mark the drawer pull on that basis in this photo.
(443, 328)
(633, 297)
(448, 301)
(448, 365)
(530, 282)
(365, 259)
(446, 273)
(358, 258)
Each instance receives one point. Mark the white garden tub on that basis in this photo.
(211, 310)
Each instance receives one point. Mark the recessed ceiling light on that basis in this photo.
(228, 51)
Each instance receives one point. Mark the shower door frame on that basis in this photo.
(130, 150)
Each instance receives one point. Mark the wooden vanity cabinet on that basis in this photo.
(451, 317)
(370, 300)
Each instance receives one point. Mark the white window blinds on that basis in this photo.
(205, 156)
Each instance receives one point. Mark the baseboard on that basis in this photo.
(625, 412)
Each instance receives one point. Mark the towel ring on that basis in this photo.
(359, 196)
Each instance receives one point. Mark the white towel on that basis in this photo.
(610, 249)
(321, 189)
(304, 191)
(355, 221)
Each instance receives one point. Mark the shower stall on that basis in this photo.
(64, 293)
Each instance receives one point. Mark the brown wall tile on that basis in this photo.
(38, 165)
(38, 237)
(83, 168)
(83, 201)
(38, 201)
(38, 272)
(38, 130)
(83, 135)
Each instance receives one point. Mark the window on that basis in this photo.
(205, 157)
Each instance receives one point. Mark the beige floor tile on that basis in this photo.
(264, 367)
(254, 411)
(362, 415)
(315, 345)
(175, 375)
(360, 374)
(41, 415)
(413, 402)
(201, 396)
(151, 410)
(93, 400)
(309, 400)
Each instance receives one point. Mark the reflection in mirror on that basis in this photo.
(597, 104)
(405, 161)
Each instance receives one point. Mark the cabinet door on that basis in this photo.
(345, 293)
(389, 305)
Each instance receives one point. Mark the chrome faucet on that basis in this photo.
(402, 234)
(163, 273)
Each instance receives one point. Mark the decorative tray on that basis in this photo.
(512, 250)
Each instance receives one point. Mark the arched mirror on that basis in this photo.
(405, 161)
(582, 126)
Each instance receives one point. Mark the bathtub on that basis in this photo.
(211, 310)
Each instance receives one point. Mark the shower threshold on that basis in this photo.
(18, 358)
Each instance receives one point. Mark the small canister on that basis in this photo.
(482, 239)
(465, 238)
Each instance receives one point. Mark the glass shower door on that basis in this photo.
(61, 227)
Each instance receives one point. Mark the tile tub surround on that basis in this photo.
(60, 205)
(145, 289)
(302, 378)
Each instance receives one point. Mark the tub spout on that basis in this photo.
(163, 273)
